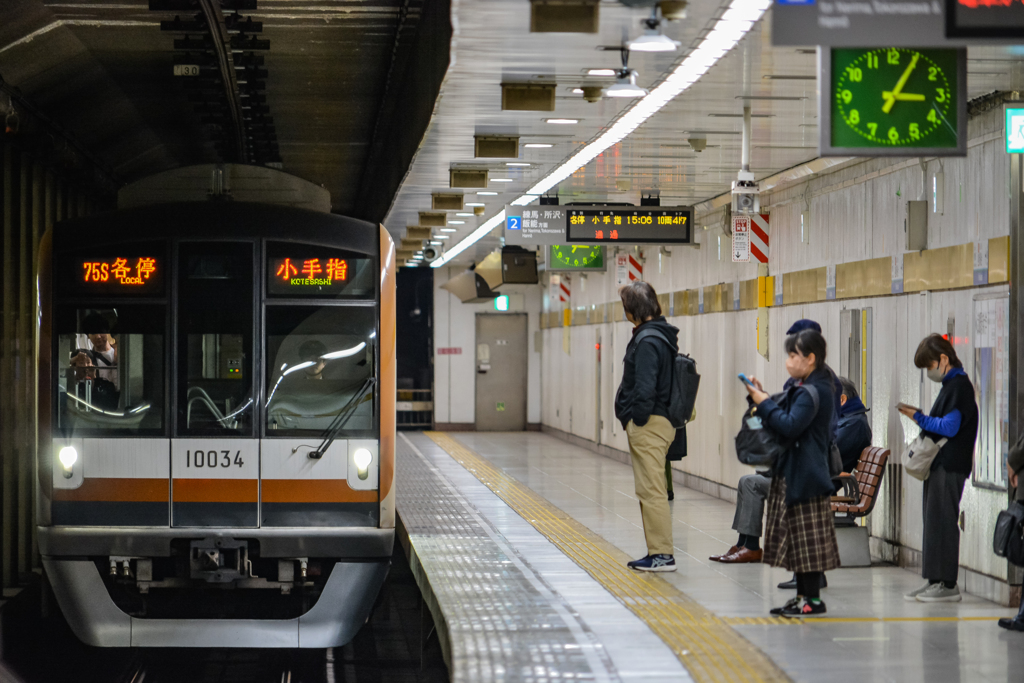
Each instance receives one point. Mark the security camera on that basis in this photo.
(745, 194)
(698, 144)
(430, 253)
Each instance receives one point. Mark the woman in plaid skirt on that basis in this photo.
(801, 536)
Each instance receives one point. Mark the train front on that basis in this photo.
(216, 431)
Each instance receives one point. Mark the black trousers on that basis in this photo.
(940, 557)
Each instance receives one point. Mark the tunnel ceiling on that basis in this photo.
(103, 69)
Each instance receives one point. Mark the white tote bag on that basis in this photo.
(918, 457)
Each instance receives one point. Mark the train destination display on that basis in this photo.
(630, 224)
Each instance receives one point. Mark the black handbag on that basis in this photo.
(756, 443)
(1008, 539)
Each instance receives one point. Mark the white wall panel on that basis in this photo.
(856, 213)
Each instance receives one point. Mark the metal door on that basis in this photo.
(501, 372)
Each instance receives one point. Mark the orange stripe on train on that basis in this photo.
(216, 490)
(103, 489)
(313, 491)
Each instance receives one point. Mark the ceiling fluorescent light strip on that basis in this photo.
(737, 21)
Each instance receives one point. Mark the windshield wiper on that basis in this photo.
(343, 417)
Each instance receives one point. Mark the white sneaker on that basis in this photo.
(939, 593)
(912, 595)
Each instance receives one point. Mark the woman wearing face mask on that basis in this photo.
(954, 416)
(801, 533)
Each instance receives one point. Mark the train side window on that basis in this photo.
(320, 365)
(215, 301)
(110, 370)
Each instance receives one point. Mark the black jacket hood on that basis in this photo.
(671, 332)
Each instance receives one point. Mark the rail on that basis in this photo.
(414, 409)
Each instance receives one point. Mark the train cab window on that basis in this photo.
(320, 368)
(110, 370)
(215, 320)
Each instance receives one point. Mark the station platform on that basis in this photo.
(519, 542)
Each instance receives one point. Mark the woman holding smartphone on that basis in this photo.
(954, 417)
(801, 534)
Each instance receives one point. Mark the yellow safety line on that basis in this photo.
(708, 647)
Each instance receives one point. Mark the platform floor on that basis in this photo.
(522, 535)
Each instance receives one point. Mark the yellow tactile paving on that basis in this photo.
(782, 621)
(706, 645)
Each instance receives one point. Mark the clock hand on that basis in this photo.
(903, 96)
(895, 93)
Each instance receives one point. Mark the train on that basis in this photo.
(216, 402)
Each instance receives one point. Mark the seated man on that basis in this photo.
(853, 434)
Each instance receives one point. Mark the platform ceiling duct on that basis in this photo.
(470, 288)
(565, 16)
(527, 97)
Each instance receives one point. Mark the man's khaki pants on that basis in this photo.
(648, 446)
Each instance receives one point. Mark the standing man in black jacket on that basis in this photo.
(641, 405)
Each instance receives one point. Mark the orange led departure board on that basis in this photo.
(308, 271)
(311, 271)
(130, 272)
(127, 272)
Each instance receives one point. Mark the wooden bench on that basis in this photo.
(860, 494)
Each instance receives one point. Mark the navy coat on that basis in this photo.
(804, 465)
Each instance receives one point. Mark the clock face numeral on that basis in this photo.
(894, 97)
(576, 256)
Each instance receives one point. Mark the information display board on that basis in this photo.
(630, 224)
(893, 102)
(984, 19)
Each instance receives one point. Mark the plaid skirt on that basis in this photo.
(801, 537)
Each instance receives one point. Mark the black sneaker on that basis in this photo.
(801, 608)
(792, 603)
(654, 563)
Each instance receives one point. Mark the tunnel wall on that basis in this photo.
(857, 213)
(38, 188)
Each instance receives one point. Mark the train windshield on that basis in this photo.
(110, 377)
(320, 365)
(215, 321)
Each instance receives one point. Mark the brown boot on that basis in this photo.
(719, 558)
(743, 556)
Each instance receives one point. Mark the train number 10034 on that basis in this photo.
(213, 459)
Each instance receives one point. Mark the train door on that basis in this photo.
(501, 372)
(214, 455)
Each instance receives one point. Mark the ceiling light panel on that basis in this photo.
(562, 122)
(538, 145)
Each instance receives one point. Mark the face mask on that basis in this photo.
(935, 374)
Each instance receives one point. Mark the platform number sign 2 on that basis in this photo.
(514, 223)
(212, 459)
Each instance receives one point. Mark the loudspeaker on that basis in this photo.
(518, 266)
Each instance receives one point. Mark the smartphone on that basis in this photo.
(745, 379)
(904, 405)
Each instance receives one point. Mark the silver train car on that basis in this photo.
(216, 388)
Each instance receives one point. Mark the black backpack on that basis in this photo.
(685, 383)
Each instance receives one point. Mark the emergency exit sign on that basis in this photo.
(1014, 131)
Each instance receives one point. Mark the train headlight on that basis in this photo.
(362, 458)
(68, 456)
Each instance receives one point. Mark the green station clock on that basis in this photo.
(893, 102)
(576, 257)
